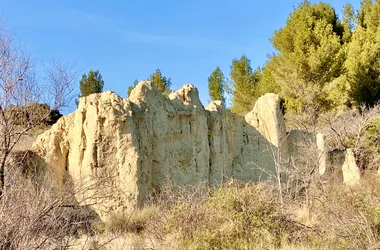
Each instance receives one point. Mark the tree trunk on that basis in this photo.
(2, 174)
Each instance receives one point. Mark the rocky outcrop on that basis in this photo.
(237, 149)
(117, 150)
(128, 147)
(267, 118)
(351, 172)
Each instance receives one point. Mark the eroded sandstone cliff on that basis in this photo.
(128, 147)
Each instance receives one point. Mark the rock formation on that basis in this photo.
(267, 118)
(129, 147)
(117, 150)
(351, 172)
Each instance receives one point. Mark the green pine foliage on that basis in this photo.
(90, 84)
(216, 83)
(363, 56)
(348, 20)
(310, 55)
(245, 85)
(161, 82)
(324, 63)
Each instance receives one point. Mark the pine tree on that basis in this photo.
(310, 56)
(348, 21)
(161, 82)
(245, 85)
(216, 83)
(90, 84)
(363, 56)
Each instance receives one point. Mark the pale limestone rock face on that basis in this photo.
(267, 118)
(306, 147)
(237, 149)
(54, 146)
(322, 153)
(351, 172)
(118, 150)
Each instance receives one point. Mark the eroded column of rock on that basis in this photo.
(267, 118)
(322, 153)
(54, 146)
(87, 145)
(237, 150)
(351, 172)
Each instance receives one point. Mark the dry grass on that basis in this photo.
(133, 222)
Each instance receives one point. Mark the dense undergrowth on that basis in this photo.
(249, 216)
(233, 216)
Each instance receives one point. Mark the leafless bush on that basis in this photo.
(60, 80)
(38, 215)
(20, 86)
(349, 217)
(303, 171)
(351, 130)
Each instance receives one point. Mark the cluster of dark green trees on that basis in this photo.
(322, 62)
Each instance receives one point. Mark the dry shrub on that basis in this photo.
(356, 130)
(37, 215)
(303, 171)
(349, 217)
(32, 114)
(166, 200)
(234, 216)
(249, 216)
(133, 222)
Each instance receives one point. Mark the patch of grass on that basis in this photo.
(133, 222)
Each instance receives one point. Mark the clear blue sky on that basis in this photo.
(128, 40)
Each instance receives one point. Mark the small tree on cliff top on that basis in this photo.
(216, 83)
(91, 83)
(163, 83)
